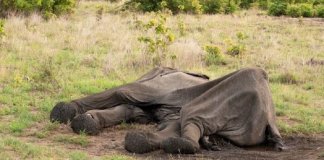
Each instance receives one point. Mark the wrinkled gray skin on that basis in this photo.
(138, 101)
(189, 108)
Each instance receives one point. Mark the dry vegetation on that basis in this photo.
(43, 62)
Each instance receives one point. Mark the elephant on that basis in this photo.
(113, 106)
(189, 108)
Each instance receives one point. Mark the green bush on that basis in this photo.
(28, 6)
(2, 31)
(212, 6)
(230, 8)
(293, 8)
(263, 4)
(246, 4)
(63, 6)
(320, 11)
(176, 6)
(306, 10)
(156, 45)
(186, 6)
(236, 50)
(213, 56)
(294, 11)
(278, 8)
(318, 2)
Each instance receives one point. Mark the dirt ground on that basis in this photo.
(111, 140)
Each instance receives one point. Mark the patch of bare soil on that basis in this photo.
(111, 141)
(300, 148)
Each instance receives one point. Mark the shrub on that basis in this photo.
(45, 6)
(263, 4)
(278, 8)
(318, 2)
(176, 6)
(306, 10)
(246, 4)
(320, 11)
(236, 50)
(230, 8)
(2, 31)
(156, 44)
(187, 6)
(212, 6)
(147, 5)
(63, 6)
(294, 11)
(213, 56)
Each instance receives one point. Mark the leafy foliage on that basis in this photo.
(47, 7)
(320, 11)
(294, 8)
(213, 55)
(158, 42)
(278, 8)
(2, 30)
(238, 47)
(263, 4)
(246, 4)
(294, 11)
(212, 6)
(306, 10)
(186, 6)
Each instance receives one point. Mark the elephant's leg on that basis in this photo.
(273, 137)
(64, 112)
(188, 143)
(208, 145)
(134, 94)
(143, 142)
(93, 121)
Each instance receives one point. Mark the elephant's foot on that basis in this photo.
(206, 144)
(280, 147)
(63, 112)
(85, 123)
(138, 142)
(179, 145)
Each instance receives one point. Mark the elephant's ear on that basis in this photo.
(198, 75)
(156, 71)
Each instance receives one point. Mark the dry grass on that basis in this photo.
(42, 62)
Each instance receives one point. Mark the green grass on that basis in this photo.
(13, 148)
(78, 139)
(43, 62)
(78, 155)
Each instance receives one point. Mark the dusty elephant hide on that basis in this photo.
(237, 107)
(122, 104)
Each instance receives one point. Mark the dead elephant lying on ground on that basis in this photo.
(188, 107)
